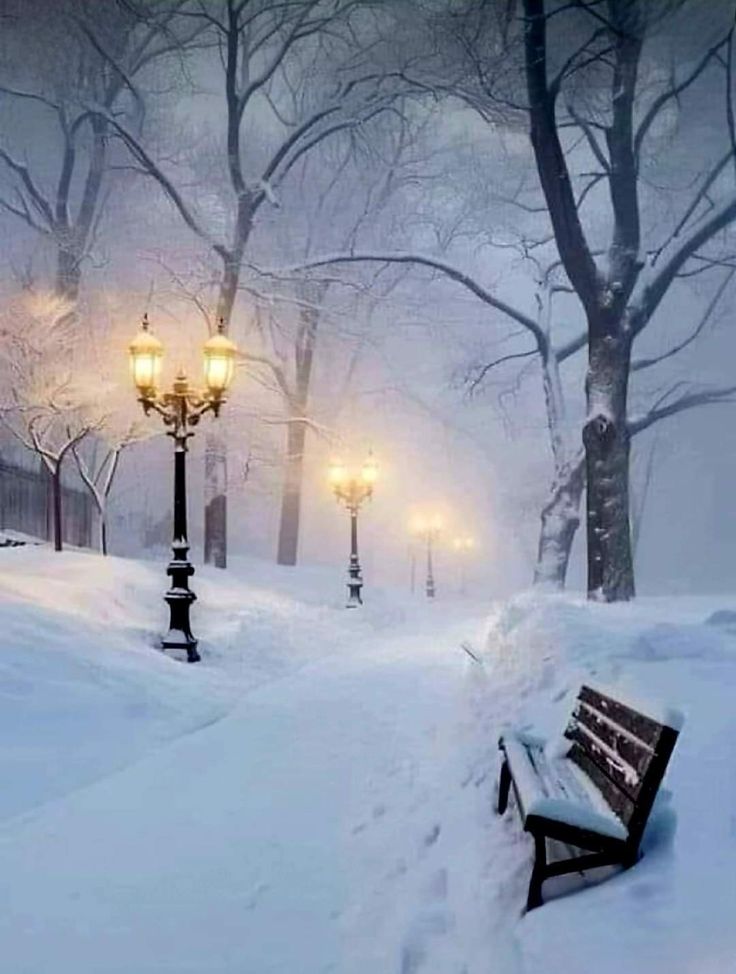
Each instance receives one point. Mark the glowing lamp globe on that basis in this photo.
(337, 473)
(146, 356)
(369, 472)
(219, 362)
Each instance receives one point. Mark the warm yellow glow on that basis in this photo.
(337, 473)
(146, 355)
(369, 473)
(418, 525)
(424, 523)
(465, 543)
(219, 362)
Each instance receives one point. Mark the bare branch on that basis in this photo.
(454, 273)
(691, 400)
(646, 363)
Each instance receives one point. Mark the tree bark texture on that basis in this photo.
(560, 520)
(215, 464)
(291, 498)
(304, 346)
(215, 501)
(607, 448)
(56, 507)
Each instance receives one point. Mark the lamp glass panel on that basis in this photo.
(219, 368)
(369, 473)
(337, 474)
(146, 354)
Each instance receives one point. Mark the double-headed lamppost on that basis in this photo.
(352, 490)
(463, 545)
(428, 529)
(181, 409)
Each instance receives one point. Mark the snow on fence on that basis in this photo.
(25, 505)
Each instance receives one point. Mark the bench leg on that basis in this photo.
(504, 783)
(539, 873)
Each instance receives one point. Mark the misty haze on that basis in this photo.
(367, 461)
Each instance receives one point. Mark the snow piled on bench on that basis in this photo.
(670, 658)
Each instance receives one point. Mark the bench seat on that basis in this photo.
(557, 790)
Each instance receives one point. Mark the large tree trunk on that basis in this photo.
(606, 439)
(215, 501)
(102, 528)
(68, 273)
(215, 458)
(560, 520)
(56, 507)
(215, 464)
(304, 346)
(291, 498)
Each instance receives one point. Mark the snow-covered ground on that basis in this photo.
(317, 794)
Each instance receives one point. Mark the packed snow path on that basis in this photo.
(332, 821)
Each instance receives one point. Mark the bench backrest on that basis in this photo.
(623, 752)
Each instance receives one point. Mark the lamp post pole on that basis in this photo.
(464, 546)
(355, 579)
(181, 410)
(429, 587)
(352, 491)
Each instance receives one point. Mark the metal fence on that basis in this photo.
(25, 505)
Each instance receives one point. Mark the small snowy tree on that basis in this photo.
(48, 404)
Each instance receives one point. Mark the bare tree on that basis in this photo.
(268, 53)
(47, 406)
(99, 464)
(586, 80)
(54, 94)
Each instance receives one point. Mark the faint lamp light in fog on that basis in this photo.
(146, 357)
(219, 362)
(465, 543)
(369, 472)
(436, 522)
(337, 473)
(418, 525)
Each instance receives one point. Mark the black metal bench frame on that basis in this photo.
(624, 754)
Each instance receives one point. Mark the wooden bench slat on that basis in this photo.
(633, 751)
(646, 729)
(622, 804)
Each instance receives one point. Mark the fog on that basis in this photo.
(367, 130)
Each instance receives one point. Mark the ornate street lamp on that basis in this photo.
(352, 490)
(463, 545)
(428, 528)
(181, 409)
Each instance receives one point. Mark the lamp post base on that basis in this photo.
(355, 586)
(181, 646)
(179, 641)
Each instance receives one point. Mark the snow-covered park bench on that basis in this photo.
(587, 806)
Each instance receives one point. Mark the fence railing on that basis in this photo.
(25, 505)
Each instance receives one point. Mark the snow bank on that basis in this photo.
(318, 794)
(83, 690)
(674, 911)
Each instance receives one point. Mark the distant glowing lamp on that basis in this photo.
(369, 471)
(464, 543)
(428, 527)
(337, 473)
(351, 490)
